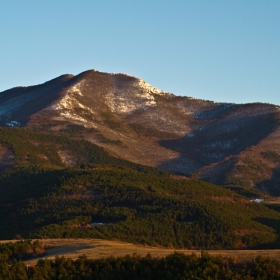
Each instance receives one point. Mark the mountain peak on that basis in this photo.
(141, 123)
(138, 82)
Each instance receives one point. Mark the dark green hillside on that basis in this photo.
(132, 206)
(105, 197)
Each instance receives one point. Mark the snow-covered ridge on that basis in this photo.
(149, 88)
(143, 84)
(71, 95)
(128, 95)
(69, 103)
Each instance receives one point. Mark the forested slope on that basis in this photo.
(105, 197)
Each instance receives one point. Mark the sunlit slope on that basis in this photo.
(25, 148)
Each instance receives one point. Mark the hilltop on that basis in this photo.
(226, 144)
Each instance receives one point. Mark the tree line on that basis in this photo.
(175, 266)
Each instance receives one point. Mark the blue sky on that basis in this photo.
(225, 51)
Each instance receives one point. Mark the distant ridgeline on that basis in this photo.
(54, 186)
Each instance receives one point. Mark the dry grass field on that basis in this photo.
(98, 249)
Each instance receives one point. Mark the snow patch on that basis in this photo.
(149, 88)
(13, 123)
(98, 224)
(190, 135)
(257, 200)
(137, 95)
(69, 103)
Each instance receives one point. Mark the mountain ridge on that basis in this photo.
(223, 143)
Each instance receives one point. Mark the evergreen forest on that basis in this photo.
(104, 197)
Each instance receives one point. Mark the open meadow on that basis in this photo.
(98, 249)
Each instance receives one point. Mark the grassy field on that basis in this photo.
(98, 249)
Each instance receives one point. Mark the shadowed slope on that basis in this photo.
(19, 104)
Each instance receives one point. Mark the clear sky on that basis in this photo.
(225, 51)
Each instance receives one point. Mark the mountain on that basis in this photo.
(72, 152)
(228, 144)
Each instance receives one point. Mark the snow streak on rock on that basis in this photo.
(132, 96)
(70, 107)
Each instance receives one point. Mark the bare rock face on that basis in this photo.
(219, 142)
